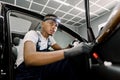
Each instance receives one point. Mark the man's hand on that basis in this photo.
(79, 49)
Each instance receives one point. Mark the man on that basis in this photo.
(38, 63)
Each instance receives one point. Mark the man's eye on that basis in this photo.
(51, 23)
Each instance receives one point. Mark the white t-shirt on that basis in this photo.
(33, 36)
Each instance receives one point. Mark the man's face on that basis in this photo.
(50, 26)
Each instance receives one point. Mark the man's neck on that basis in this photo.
(44, 34)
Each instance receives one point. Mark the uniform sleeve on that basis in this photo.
(31, 36)
(52, 40)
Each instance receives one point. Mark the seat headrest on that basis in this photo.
(16, 41)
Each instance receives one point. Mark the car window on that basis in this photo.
(61, 37)
(20, 25)
(20, 22)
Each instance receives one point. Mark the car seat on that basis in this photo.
(16, 42)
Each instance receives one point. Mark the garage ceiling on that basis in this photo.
(71, 12)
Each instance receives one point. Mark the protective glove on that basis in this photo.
(78, 50)
(74, 43)
(70, 45)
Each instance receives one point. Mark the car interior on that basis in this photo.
(105, 64)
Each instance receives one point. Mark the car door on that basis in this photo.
(5, 41)
(11, 16)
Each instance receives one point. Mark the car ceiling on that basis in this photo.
(71, 12)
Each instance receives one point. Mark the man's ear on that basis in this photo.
(42, 23)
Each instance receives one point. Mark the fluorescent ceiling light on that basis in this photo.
(117, 0)
(59, 1)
